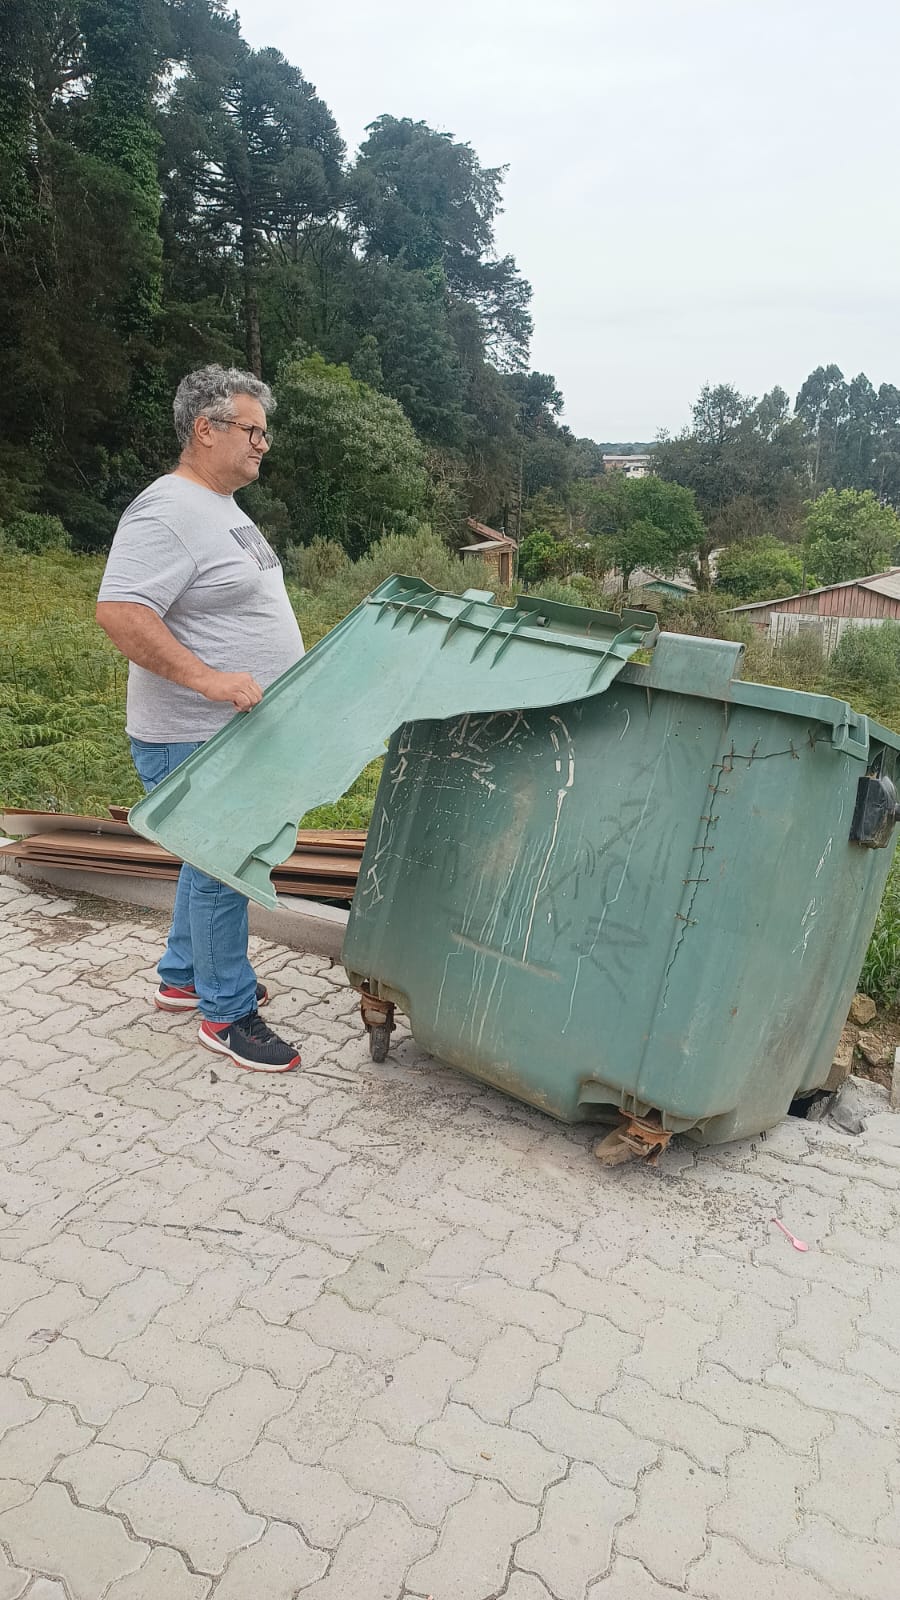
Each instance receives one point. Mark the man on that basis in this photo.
(194, 596)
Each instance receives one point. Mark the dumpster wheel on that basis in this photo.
(378, 1016)
(636, 1138)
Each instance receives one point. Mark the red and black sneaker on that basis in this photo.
(249, 1043)
(169, 998)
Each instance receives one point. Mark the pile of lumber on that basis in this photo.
(324, 865)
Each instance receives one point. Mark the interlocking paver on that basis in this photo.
(840, 1393)
(666, 1418)
(87, 1548)
(513, 1457)
(409, 1337)
(16, 1404)
(852, 1488)
(209, 1525)
(758, 1407)
(277, 1567)
(465, 1330)
(97, 1470)
(538, 1313)
(195, 1371)
(289, 1354)
(475, 1546)
(628, 1580)
(505, 1374)
(29, 1451)
(95, 1388)
(230, 1425)
(13, 1581)
(854, 1567)
(125, 1312)
(586, 1436)
(316, 1499)
(589, 1361)
(163, 1576)
(668, 1530)
(761, 1508)
(747, 1345)
(418, 1391)
(20, 1333)
(326, 1408)
(374, 1557)
(333, 1325)
(148, 1422)
(727, 1571)
(574, 1541)
(94, 1271)
(419, 1478)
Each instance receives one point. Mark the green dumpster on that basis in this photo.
(633, 894)
(648, 902)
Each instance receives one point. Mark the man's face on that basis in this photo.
(230, 457)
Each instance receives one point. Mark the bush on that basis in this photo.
(865, 669)
(311, 565)
(880, 976)
(758, 569)
(321, 604)
(32, 533)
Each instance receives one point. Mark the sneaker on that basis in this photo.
(249, 1043)
(169, 998)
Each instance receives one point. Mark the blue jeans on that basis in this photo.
(207, 944)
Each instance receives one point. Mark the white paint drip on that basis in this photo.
(824, 856)
(560, 801)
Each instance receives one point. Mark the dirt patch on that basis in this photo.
(882, 1039)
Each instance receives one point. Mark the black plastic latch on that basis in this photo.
(875, 814)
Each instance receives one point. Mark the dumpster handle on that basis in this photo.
(842, 736)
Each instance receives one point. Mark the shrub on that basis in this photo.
(31, 533)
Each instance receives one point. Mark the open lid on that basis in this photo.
(407, 653)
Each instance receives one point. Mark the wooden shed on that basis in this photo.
(497, 550)
(872, 599)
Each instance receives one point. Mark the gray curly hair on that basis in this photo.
(209, 392)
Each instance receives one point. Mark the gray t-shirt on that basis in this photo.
(195, 559)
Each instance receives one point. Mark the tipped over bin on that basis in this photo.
(632, 894)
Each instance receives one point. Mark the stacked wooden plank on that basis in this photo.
(324, 866)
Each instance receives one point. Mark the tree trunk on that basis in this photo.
(251, 301)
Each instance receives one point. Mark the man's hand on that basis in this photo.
(238, 687)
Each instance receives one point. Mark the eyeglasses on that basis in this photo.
(254, 433)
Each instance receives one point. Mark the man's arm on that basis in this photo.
(143, 637)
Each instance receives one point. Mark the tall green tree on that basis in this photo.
(255, 157)
(849, 534)
(643, 522)
(422, 198)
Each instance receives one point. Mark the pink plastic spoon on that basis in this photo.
(797, 1243)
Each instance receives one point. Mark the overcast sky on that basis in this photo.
(698, 190)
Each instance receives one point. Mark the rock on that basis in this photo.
(863, 1010)
(844, 1119)
(873, 1049)
(842, 1065)
(860, 1098)
(895, 1082)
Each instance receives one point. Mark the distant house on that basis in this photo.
(631, 466)
(858, 603)
(497, 550)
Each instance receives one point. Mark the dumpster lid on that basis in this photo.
(408, 652)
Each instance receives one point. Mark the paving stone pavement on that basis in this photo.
(375, 1333)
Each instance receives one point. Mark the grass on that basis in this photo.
(62, 688)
